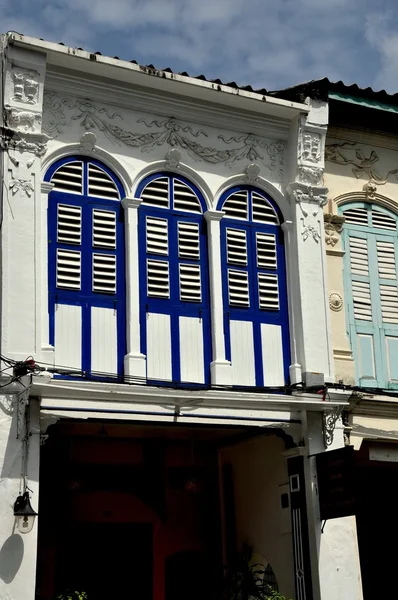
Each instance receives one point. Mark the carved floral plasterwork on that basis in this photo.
(310, 201)
(61, 112)
(335, 301)
(349, 153)
(21, 177)
(26, 85)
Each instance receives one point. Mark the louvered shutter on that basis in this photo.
(263, 212)
(68, 269)
(158, 279)
(184, 198)
(236, 206)
(104, 228)
(157, 193)
(69, 178)
(100, 184)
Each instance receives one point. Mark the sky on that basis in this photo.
(268, 44)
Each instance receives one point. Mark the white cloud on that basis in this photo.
(266, 43)
(381, 32)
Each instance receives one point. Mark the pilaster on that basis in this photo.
(134, 361)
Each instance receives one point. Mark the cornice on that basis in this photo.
(362, 136)
(152, 101)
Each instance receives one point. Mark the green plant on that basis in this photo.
(245, 580)
(70, 595)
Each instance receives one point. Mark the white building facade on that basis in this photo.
(163, 264)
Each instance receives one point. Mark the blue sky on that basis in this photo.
(265, 43)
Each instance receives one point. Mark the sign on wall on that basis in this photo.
(336, 483)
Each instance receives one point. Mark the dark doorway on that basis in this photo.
(107, 560)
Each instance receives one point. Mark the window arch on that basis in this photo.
(254, 288)
(174, 289)
(86, 271)
(370, 277)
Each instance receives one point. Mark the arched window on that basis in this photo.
(175, 321)
(370, 276)
(86, 267)
(254, 288)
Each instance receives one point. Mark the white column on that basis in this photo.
(294, 368)
(42, 243)
(220, 368)
(335, 565)
(134, 361)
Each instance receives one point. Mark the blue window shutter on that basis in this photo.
(370, 280)
(254, 288)
(86, 267)
(175, 315)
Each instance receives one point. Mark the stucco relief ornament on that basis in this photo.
(311, 144)
(314, 199)
(348, 153)
(26, 85)
(310, 175)
(88, 142)
(173, 158)
(335, 301)
(331, 237)
(370, 190)
(22, 180)
(252, 173)
(22, 120)
(330, 419)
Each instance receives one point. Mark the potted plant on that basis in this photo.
(72, 595)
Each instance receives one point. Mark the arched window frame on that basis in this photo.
(174, 306)
(86, 297)
(253, 313)
(374, 340)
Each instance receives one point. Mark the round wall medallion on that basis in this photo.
(335, 301)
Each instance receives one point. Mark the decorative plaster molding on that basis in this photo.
(330, 419)
(335, 301)
(349, 153)
(88, 142)
(172, 133)
(370, 190)
(26, 85)
(173, 158)
(333, 228)
(310, 175)
(252, 172)
(306, 197)
(310, 149)
(21, 178)
(35, 143)
(22, 120)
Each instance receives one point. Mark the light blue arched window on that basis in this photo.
(254, 288)
(174, 288)
(86, 271)
(370, 278)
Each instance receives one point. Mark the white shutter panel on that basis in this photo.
(238, 288)
(356, 216)
(158, 280)
(68, 269)
(188, 240)
(359, 256)
(100, 184)
(386, 259)
(69, 224)
(263, 211)
(389, 303)
(361, 299)
(104, 228)
(383, 221)
(236, 247)
(190, 283)
(156, 193)
(157, 239)
(266, 250)
(185, 199)
(69, 178)
(268, 291)
(104, 273)
(236, 206)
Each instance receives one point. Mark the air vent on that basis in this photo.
(263, 211)
(188, 240)
(235, 207)
(104, 228)
(68, 269)
(184, 198)
(69, 178)
(266, 250)
(383, 221)
(157, 236)
(362, 301)
(268, 293)
(389, 303)
(356, 216)
(190, 286)
(156, 193)
(158, 285)
(238, 288)
(100, 184)
(236, 247)
(359, 256)
(104, 273)
(386, 259)
(69, 224)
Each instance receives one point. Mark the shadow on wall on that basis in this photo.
(11, 555)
